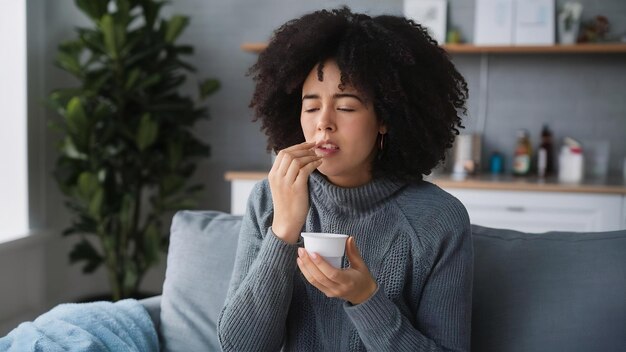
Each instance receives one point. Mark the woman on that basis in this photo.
(359, 109)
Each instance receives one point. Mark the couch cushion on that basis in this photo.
(199, 265)
(549, 292)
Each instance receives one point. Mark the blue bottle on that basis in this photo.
(496, 163)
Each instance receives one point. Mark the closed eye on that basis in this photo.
(311, 110)
(345, 109)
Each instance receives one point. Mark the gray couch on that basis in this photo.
(532, 292)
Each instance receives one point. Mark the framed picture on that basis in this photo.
(430, 14)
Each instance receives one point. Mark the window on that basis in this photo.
(13, 121)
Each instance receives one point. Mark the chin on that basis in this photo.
(325, 171)
(332, 173)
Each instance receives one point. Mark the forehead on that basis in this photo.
(328, 77)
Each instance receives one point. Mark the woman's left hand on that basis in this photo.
(354, 284)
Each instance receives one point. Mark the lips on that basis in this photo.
(326, 147)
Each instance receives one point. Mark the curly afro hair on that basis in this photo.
(415, 89)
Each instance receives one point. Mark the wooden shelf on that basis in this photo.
(487, 182)
(537, 49)
(253, 47)
(605, 48)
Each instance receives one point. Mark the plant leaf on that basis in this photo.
(208, 87)
(75, 117)
(71, 47)
(194, 189)
(93, 40)
(68, 57)
(68, 149)
(87, 184)
(144, 54)
(93, 8)
(151, 11)
(104, 110)
(69, 64)
(77, 123)
(59, 98)
(123, 11)
(171, 184)
(174, 153)
(97, 79)
(133, 76)
(184, 49)
(95, 205)
(84, 251)
(84, 225)
(130, 277)
(127, 213)
(151, 80)
(175, 27)
(114, 35)
(108, 243)
(147, 133)
(185, 65)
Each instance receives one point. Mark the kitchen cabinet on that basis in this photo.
(239, 192)
(543, 211)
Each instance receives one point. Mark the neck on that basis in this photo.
(352, 199)
(349, 182)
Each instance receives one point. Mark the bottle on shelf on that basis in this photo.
(522, 155)
(496, 163)
(545, 154)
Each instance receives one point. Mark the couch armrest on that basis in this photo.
(153, 306)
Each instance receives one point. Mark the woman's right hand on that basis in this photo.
(288, 180)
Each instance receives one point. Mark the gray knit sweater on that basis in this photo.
(415, 240)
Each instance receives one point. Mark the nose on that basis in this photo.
(326, 121)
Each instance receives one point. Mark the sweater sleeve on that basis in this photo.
(443, 313)
(258, 299)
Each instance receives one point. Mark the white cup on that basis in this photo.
(330, 246)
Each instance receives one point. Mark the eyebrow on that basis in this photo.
(335, 96)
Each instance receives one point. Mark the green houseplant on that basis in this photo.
(126, 150)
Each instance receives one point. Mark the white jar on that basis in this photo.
(571, 164)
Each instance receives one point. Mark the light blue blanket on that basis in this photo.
(86, 327)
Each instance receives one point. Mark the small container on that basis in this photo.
(330, 246)
(545, 157)
(522, 155)
(496, 163)
(542, 162)
(597, 156)
(571, 165)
